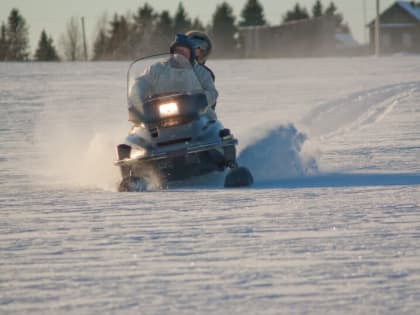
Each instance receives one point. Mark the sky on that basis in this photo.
(52, 15)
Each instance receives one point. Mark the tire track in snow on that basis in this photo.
(357, 110)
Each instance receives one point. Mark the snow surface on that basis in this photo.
(331, 225)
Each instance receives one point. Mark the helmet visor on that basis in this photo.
(200, 44)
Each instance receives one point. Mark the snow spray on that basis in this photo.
(278, 155)
(76, 152)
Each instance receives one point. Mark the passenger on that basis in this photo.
(202, 50)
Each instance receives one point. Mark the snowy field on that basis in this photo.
(331, 226)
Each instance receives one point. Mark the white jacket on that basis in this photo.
(162, 77)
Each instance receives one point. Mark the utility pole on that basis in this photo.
(84, 39)
(364, 22)
(377, 31)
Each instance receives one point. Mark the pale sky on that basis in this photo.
(52, 15)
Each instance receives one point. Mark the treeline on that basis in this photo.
(14, 41)
(147, 32)
(143, 33)
(299, 13)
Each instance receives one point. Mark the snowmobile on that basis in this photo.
(175, 134)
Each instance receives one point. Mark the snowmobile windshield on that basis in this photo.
(157, 84)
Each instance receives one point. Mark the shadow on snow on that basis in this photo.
(343, 180)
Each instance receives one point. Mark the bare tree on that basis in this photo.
(71, 41)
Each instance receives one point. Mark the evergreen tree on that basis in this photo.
(46, 50)
(100, 45)
(118, 46)
(252, 14)
(113, 41)
(317, 9)
(340, 26)
(197, 25)
(100, 42)
(297, 13)
(182, 22)
(164, 23)
(144, 22)
(164, 32)
(142, 42)
(223, 30)
(3, 42)
(145, 18)
(17, 37)
(331, 9)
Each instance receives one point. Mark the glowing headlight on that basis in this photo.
(137, 153)
(168, 109)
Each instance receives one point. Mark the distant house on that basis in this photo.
(315, 37)
(399, 28)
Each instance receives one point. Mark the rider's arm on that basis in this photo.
(207, 83)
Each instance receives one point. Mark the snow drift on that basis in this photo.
(278, 155)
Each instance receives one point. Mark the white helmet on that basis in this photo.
(202, 41)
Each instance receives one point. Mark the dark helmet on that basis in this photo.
(183, 40)
(202, 41)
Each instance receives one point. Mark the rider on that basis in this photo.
(172, 74)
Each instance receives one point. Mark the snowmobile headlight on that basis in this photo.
(168, 109)
(137, 153)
